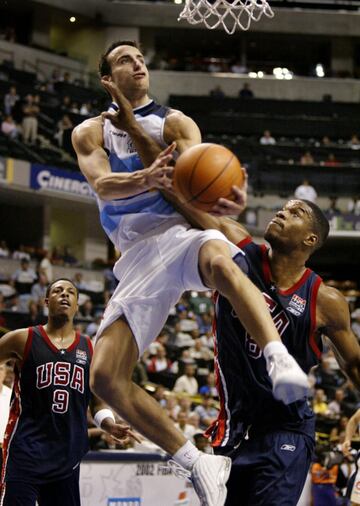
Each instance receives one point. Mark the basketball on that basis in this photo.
(206, 172)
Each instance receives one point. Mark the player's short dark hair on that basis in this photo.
(104, 65)
(320, 223)
(48, 289)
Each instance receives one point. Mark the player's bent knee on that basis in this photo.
(105, 383)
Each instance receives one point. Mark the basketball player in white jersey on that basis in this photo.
(161, 257)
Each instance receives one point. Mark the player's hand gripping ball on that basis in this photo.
(206, 172)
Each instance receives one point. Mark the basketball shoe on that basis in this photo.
(208, 476)
(289, 381)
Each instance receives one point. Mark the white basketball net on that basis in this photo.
(229, 14)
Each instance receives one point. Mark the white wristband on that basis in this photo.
(101, 415)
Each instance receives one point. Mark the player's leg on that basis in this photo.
(115, 356)
(114, 359)
(219, 271)
(16, 493)
(274, 468)
(61, 492)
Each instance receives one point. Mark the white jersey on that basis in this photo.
(126, 220)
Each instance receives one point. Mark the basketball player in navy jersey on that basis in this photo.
(271, 443)
(46, 435)
(161, 258)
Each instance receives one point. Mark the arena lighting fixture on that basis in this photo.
(319, 70)
(282, 73)
(177, 1)
(72, 19)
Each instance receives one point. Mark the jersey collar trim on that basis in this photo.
(267, 274)
(55, 348)
(138, 110)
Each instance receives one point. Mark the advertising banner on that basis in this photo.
(43, 177)
(122, 483)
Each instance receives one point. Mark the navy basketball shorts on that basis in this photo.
(269, 469)
(55, 493)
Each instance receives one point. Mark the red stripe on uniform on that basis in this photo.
(245, 242)
(15, 411)
(90, 346)
(313, 297)
(27, 345)
(220, 423)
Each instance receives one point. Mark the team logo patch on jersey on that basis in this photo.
(81, 357)
(288, 448)
(297, 305)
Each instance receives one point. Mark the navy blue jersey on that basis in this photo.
(46, 436)
(244, 385)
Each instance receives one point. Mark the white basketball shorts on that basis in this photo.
(153, 273)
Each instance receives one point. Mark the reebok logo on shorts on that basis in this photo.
(288, 448)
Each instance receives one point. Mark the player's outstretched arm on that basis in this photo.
(334, 317)
(124, 119)
(12, 345)
(104, 419)
(181, 129)
(350, 431)
(93, 161)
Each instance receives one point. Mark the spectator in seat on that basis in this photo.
(187, 383)
(335, 406)
(209, 388)
(45, 266)
(354, 142)
(159, 362)
(86, 310)
(306, 192)
(246, 92)
(307, 159)
(238, 68)
(9, 127)
(10, 100)
(217, 92)
(79, 281)
(354, 206)
(30, 120)
(267, 139)
(337, 434)
(38, 290)
(207, 412)
(325, 141)
(332, 210)
(20, 253)
(159, 395)
(328, 378)
(183, 425)
(202, 443)
(4, 250)
(331, 161)
(319, 404)
(64, 129)
(200, 352)
(66, 103)
(23, 278)
(93, 327)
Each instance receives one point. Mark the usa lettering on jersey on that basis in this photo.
(281, 322)
(60, 374)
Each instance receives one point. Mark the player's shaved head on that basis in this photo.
(319, 222)
(104, 64)
(51, 285)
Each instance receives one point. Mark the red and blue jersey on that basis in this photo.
(46, 435)
(244, 385)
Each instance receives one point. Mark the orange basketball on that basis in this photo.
(206, 172)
